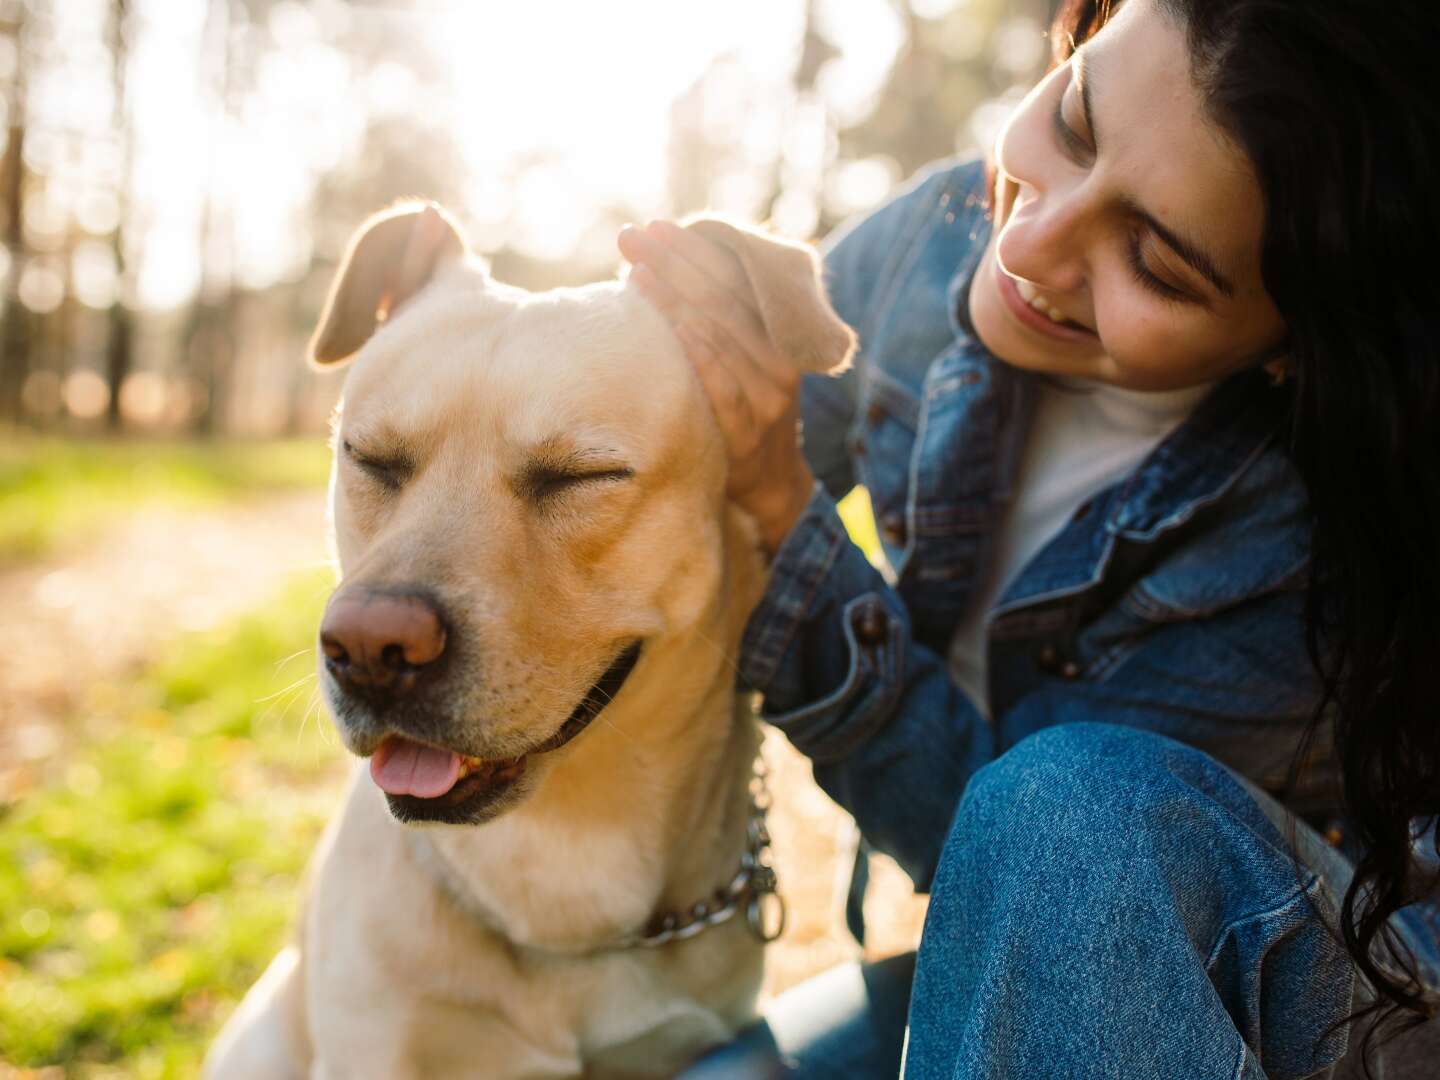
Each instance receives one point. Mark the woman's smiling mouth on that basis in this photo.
(1029, 307)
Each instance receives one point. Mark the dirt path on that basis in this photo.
(99, 610)
(102, 609)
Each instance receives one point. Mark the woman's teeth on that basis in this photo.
(1031, 296)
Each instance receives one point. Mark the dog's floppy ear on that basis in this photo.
(390, 258)
(784, 279)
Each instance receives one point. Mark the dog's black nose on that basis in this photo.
(379, 643)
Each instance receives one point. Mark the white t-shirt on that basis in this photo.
(1084, 437)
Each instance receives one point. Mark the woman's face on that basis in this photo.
(1130, 217)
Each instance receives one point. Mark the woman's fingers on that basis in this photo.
(727, 394)
(706, 339)
(746, 401)
(702, 270)
(659, 292)
(705, 275)
(717, 263)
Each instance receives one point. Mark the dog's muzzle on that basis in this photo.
(428, 782)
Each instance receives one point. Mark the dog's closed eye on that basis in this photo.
(540, 483)
(390, 471)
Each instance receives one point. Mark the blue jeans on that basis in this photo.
(1110, 903)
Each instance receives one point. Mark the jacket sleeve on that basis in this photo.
(894, 740)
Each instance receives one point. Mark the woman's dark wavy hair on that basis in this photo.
(1333, 102)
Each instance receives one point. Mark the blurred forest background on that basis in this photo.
(180, 176)
(178, 179)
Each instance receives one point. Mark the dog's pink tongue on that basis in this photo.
(402, 767)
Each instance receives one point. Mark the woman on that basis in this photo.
(1149, 426)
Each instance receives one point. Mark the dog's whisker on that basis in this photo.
(308, 650)
(309, 708)
(312, 711)
(280, 702)
(724, 653)
(326, 732)
(298, 682)
(275, 703)
(615, 727)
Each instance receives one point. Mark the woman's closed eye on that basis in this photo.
(1147, 277)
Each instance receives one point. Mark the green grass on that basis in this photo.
(52, 489)
(148, 882)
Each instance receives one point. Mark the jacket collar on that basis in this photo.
(1237, 423)
(1201, 458)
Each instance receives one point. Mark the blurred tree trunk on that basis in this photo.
(16, 332)
(815, 52)
(210, 336)
(120, 349)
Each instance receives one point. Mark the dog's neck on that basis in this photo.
(644, 812)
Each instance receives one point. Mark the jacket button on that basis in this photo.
(871, 626)
(892, 527)
(1048, 658)
(1070, 670)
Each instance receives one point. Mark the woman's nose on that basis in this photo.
(1042, 240)
(1044, 236)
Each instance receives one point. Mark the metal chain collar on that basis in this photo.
(751, 889)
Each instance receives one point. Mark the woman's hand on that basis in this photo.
(701, 289)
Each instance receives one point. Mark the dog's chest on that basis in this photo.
(553, 888)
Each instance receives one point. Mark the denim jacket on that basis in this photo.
(1172, 601)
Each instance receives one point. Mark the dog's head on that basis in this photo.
(527, 501)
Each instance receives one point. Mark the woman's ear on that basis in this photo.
(391, 258)
(785, 283)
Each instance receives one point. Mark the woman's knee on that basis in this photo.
(1080, 777)
(1086, 843)
(1083, 812)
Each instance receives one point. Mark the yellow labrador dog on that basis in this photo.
(542, 591)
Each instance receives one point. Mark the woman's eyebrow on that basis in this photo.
(1189, 251)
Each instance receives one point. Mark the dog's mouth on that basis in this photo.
(424, 782)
